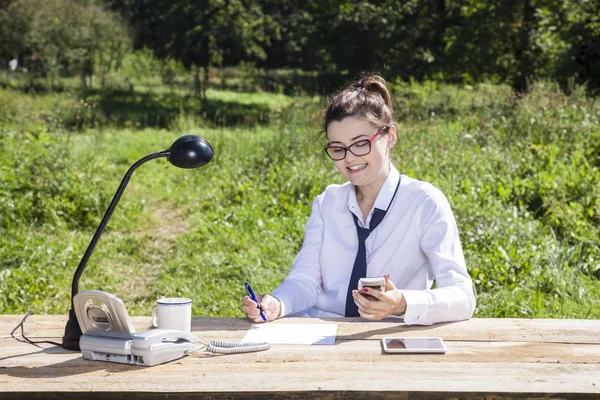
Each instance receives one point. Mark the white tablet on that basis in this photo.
(413, 345)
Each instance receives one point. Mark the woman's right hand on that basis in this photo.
(270, 305)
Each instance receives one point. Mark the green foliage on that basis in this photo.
(249, 78)
(523, 179)
(42, 184)
(62, 37)
(141, 64)
(201, 34)
(522, 176)
(152, 105)
(516, 42)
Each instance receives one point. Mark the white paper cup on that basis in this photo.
(173, 313)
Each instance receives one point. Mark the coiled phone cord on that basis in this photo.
(229, 347)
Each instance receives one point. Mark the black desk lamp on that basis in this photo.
(188, 151)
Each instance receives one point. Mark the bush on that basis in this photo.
(521, 174)
(43, 183)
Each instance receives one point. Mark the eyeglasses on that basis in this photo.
(360, 148)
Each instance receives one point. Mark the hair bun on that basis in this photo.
(367, 98)
(376, 83)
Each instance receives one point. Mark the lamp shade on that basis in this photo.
(190, 151)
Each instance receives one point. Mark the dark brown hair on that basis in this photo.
(367, 98)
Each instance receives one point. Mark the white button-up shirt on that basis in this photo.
(417, 243)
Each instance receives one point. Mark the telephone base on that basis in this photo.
(122, 351)
(116, 358)
(106, 349)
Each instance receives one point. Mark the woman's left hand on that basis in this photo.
(391, 301)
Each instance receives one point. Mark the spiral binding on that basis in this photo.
(228, 347)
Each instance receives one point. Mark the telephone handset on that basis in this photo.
(153, 337)
(157, 346)
(109, 335)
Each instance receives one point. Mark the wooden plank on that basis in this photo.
(14, 354)
(477, 367)
(476, 329)
(198, 374)
(468, 366)
(296, 395)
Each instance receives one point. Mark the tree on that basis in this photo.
(103, 42)
(514, 41)
(201, 34)
(581, 35)
(62, 36)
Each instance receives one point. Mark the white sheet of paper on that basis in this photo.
(292, 333)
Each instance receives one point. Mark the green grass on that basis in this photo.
(522, 176)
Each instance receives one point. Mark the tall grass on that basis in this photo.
(522, 175)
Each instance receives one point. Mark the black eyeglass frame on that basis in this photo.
(349, 148)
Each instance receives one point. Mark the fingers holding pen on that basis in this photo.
(250, 307)
(270, 305)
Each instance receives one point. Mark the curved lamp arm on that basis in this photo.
(107, 215)
(188, 151)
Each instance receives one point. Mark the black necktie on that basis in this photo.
(360, 263)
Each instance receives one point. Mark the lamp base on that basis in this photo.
(72, 333)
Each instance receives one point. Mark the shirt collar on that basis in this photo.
(386, 193)
(384, 197)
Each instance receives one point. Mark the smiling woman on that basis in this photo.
(379, 224)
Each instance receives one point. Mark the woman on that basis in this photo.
(379, 223)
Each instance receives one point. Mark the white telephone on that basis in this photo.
(109, 335)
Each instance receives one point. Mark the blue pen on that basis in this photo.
(253, 297)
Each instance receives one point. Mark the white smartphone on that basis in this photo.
(374, 283)
(413, 345)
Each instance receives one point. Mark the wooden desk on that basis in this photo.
(486, 359)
